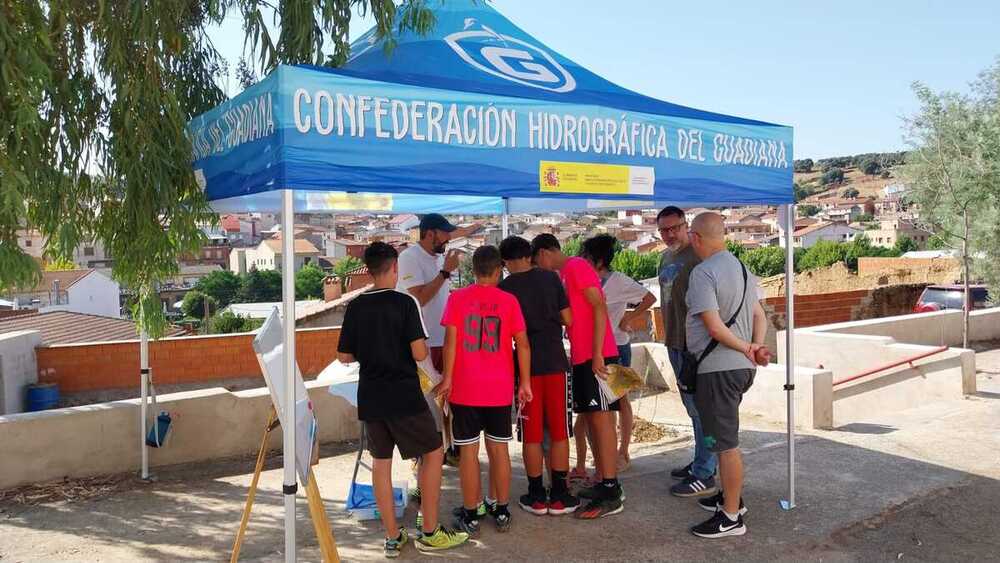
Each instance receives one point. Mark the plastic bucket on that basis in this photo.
(42, 396)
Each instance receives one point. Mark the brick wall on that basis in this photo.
(829, 308)
(115, 365)
(819, 309)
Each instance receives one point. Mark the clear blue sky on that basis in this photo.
(839, 72)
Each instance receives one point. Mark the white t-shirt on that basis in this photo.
(418, 267)
(620, 291)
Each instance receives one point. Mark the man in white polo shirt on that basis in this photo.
(425, 272)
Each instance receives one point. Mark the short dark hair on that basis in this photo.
(544, 241)
(600, 250)
(379, 257)
(486, 261)
(671, 211)
(515, 248)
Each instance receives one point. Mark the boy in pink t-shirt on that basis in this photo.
(592, 347)
(482, 324)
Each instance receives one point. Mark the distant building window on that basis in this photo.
(88, 251)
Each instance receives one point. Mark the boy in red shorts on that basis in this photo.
(546, 310)
(482, 323)
(592, 348)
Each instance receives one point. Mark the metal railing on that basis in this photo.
(888, 366)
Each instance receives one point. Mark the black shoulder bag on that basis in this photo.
(687, 379)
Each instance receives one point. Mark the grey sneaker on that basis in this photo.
(694, 487)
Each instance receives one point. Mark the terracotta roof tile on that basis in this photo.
(66, 327)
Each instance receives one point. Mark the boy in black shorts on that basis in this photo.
(546, 310)
(481, 324)
(384, 332)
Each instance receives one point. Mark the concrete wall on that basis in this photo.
(848, 349)
(189, 359)
(767, 397)
(940, 328)
(17, 369)
(102, 439)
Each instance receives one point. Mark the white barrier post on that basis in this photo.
(144, 395)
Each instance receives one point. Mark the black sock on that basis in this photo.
(501, 509)
(535, 486)
(432, 532)
(559, 481)
(472, 514)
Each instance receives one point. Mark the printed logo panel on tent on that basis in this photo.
(510, 58)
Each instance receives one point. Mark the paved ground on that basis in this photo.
(919, 485)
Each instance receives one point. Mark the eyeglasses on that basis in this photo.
(672, 228)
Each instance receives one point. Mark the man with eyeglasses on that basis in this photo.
(698, 477)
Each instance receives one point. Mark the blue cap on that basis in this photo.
(436, 222)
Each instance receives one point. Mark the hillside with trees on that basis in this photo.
(858, 176)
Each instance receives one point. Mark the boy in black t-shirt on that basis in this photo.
(384, 332)
(546, 310)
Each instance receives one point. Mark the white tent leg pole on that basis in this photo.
(290, 483)
(789, 503)
(144, 395)
(505, 219)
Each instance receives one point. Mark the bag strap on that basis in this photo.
(714, 343)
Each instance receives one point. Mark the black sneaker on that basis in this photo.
(563, 503)
(597, 491)
(537, 503)
(720, 526)
(694, 487)
(682, 472)
(502, 519)
(467, 524)
(601, 507)
(714, 503)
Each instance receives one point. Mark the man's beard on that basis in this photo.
(440, 248)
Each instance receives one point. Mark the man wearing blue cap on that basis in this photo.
(425, 272)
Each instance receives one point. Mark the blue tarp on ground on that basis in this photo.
(479, 111)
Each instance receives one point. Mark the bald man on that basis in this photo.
(725, 331)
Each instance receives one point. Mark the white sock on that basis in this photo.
(732, 517)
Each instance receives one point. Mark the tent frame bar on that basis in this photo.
(290, 482)
(789, 503)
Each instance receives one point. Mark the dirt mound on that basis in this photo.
(838, 278)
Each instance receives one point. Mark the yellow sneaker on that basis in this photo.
(441, 539)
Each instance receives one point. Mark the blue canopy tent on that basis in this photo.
(486, 119)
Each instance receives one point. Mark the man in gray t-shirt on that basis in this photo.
(717, 285)
(715, 293)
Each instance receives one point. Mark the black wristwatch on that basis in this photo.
(445, 274)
